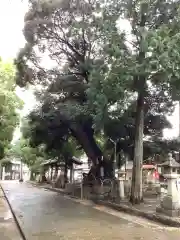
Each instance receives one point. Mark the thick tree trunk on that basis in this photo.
(0, 171)
(32, 176)
(51, 173)
(136, 185)
(85, 136)
(56, 173)
(87, 141)
(65, 172)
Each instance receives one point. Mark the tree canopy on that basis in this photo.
(41, 141)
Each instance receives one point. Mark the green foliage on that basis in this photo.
(5, 162)
(9, 105)
(86, 47)
(22, 150)
(158, 40)
(53, 135)
(82, 48)
(45, 138)
(152, 56)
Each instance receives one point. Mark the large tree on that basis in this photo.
(76, 37)
(153, 64)
(94, 68)
(154, 26)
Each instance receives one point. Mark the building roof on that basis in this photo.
(129, 166)
(76, 161)
(170, 163)
(55, 161)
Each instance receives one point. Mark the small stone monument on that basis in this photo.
(121, 179)
(170, 204)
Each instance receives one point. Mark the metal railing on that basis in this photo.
(106, 186)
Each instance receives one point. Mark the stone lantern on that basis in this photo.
(170, 204)
(121, 179)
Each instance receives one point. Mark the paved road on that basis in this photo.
(45, 215)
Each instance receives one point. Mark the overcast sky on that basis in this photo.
(11, 24)
(11, 40)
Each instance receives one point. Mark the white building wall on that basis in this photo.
(25, 170)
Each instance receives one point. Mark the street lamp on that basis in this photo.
(21, 172)
(115, 153)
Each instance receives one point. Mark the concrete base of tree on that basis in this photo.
(168, 212)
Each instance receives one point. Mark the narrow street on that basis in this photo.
(45, 215)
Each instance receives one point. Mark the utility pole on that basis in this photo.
(115, 156)
(0, 171)
(21, 172)
(179, 128)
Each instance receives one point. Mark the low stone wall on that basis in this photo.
(127, 188)
(89, 192)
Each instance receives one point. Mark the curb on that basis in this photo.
(14, 215)
(167, 221)
(61, 192)
(150, 216)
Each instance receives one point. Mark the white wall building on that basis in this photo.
(13, 172)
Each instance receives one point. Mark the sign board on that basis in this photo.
(178, 184)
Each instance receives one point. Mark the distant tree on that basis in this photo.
(9, 105)
(22, 150)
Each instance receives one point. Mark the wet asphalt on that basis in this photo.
(46, 215)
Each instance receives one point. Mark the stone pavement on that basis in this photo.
(8, 227)
(146, 210)
(47, 215)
